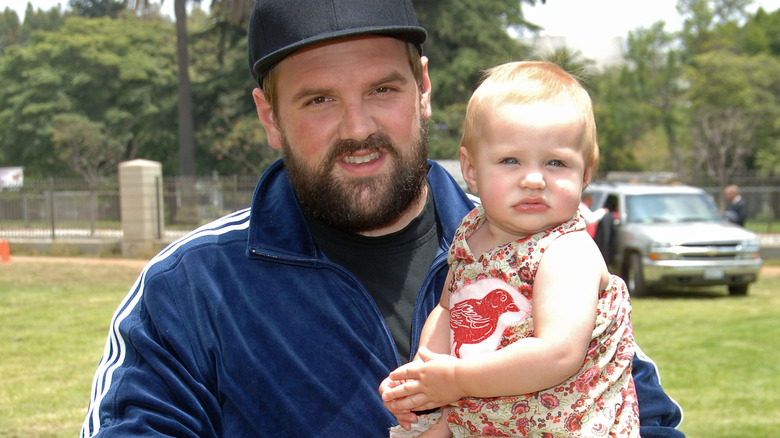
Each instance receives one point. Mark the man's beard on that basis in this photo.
(360, 204)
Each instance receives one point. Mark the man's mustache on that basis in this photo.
(348, 147)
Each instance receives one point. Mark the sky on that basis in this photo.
(591, 19)
(569, 18)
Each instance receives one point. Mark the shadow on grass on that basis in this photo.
(681, 292)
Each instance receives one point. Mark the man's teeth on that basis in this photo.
(351, 159)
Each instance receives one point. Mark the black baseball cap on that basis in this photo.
(277, 28)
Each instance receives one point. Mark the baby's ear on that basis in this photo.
(587, 177)
(468, 170)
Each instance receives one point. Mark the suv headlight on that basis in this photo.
(750, 249)
(663, 251)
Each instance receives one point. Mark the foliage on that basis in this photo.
(85, 146)
(96, 8)
(735, 105)
(651, 111)
(13, 32)
(464, 38)
(116, 72)
(762, 33)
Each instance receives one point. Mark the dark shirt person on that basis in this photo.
(736, 210)
(282, 319)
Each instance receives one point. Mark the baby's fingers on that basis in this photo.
(402, 390)
(407, 372)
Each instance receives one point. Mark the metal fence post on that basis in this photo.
(52, 212)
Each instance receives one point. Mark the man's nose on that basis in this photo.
(357, 122)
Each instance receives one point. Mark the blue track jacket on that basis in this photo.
(243, 328)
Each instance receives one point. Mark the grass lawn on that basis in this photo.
(718, 355)
(53, 324)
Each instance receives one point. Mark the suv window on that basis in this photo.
(670, 208)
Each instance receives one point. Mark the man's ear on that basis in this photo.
(468, 170)
(425, 90)
(266, 115)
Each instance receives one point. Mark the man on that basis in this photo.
(281, 320)
(736, 210)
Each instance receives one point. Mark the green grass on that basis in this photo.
(53, 323)
(718, 355)
(762, 226)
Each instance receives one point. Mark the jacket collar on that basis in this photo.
(277, 227)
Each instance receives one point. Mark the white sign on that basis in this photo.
(11, 177)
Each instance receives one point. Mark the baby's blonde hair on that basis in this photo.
(526, 82)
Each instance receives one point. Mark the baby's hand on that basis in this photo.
(405, 417)
(423, 385)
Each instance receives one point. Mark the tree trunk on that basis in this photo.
(186, 210)
(186, 129)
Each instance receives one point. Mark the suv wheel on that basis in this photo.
(738, 289)
(635, 279)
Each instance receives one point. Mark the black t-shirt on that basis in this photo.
(391, 267)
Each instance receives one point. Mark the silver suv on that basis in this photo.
(672, 235)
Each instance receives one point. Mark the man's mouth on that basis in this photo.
(361, 159)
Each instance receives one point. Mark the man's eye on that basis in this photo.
(382, 90)
(319, 100)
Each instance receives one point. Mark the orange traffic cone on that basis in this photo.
(5, 252)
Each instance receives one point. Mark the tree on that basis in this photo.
(186, 128)
(735, 103)
(702, 21)
(96, 8)
(653, 73)
(10, 29)
(88, 149)
(464, 38)
(116, 72)
(762, 33)
(186, 125)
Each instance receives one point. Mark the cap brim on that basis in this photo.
(411, 34)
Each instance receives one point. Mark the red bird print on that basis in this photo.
(472, 321)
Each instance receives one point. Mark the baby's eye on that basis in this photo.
(509, 161)
(556, 163)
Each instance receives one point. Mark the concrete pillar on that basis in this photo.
(140, 193)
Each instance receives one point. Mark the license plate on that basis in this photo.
(713, 274)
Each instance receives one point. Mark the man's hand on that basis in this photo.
(423, 385)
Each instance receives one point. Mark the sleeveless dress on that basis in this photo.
(490, 308)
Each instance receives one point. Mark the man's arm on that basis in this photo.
(659, 414)
(142, 386)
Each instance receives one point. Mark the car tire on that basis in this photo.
(738, 289)
(635, 279)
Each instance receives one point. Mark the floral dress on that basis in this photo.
(490, 308)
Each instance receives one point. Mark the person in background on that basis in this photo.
(522, 349)
(736, 209)
(591, 216)
(283, 319)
